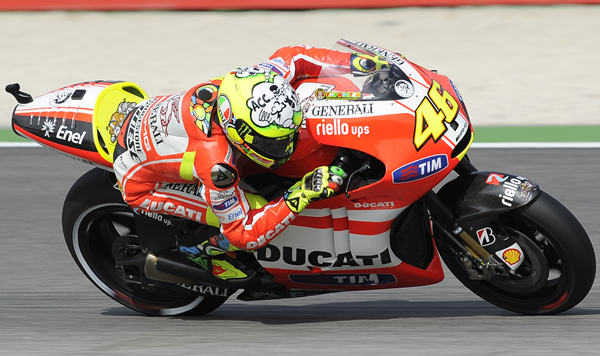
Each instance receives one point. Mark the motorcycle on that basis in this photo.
(398, 132)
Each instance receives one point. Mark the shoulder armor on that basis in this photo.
(202, 106)
(223, 175)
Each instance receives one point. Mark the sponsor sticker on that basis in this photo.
(48, 127)
(170, 208)
(280, 63)
(344, 279)
(513, 186)
(231, 215)
(420, 169)
(185, 188)
(227, 204)
(338, 95)
(486, 236)
(210, 290)
(61, 96)
(220, 195)
(65, 134)
(496, 178)
(404, 88)
(335, 127)
(353, 109)
(295, 256)
(513, 256)
(390, 56)
(270, 67)
(271, 234)
(381, 205)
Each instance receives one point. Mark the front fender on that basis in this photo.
(483, 195)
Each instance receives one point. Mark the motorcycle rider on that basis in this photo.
(177, 154)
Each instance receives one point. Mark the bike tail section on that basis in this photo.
(81, 121)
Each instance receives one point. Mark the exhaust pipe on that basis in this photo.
(151, 272)
(170, 267)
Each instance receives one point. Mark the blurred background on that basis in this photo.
(524, 67)
(515, 65)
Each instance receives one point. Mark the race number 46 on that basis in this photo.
(438, 107)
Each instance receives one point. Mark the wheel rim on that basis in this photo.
(94, 232)
(522, 292)
(532, 275)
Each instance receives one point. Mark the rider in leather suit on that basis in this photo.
(176, 154)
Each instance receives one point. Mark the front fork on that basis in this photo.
(476, 260)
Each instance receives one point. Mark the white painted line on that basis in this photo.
(19, 144)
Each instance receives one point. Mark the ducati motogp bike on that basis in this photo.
(398, 132)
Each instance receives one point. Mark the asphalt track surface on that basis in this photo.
(48, 307)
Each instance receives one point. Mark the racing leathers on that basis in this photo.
(172, 158)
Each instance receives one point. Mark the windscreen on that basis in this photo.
(375, 74)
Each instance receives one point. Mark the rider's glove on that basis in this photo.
(321, 183)
(365, 64)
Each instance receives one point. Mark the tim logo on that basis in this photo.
(226, 204)
(345, 279)
(486, 236)
(420, 169)
(496, 178)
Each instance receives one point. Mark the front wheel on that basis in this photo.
(559, 267)
(94, 217)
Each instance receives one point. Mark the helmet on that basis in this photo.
(260, 114)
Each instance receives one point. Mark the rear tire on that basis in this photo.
(94, 216)
(559, 267)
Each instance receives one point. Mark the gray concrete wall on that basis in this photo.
(523, 65)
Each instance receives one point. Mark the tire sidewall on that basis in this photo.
(97, 190)
(567, 235)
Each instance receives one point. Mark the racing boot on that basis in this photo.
(222, 260)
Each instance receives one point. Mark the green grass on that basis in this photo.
(7, 135)
(482, 134)
(537, 134)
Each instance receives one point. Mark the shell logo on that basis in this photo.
(511, 256)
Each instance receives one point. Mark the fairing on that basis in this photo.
(486, 195)
(343, 243)
(81, 120)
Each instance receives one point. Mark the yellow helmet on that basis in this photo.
(260, 113)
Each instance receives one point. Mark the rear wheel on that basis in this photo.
(97, 224)
(559, 267)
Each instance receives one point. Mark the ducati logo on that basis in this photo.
(298, 257)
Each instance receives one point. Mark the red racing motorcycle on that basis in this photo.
(397, 132)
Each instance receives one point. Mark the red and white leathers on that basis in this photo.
(177, 161)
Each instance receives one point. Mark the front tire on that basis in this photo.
(559, 267)
(94, 216)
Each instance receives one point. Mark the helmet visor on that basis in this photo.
(275, 148)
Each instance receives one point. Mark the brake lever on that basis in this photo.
(364, 167)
